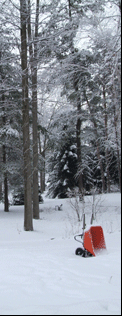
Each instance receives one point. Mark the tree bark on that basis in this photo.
(78, 124)
(1, 156)
(0, 191)
(3, 151)
(35, 150)
(97, 144)
(6, 202)
(117, 149)
(1, 177)
(33, 65)
(78, 140)
(42, 172)
(117, 140)
(106, 141)
(28, 225)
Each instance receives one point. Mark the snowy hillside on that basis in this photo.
(39, 271)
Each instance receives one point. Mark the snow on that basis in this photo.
(39, 271)
(65, 167)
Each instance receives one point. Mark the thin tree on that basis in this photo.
(6, 203)
(78, 124)
(33, 65)
(3, 149)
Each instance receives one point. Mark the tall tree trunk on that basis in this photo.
(100, 161)
(6, 202)
(70, 14)
(0, 190)
(42, 172)
(3, 150)
(1, 156)
(28, 225)
(1, 170)
(35, 151)
(97, 143)
(78, 124)
(117, 148)
(35, 123)
(78, 140)
(117, 140)
(33, 64)
(106, 141)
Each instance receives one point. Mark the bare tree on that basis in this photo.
(33, 65)
(26, 137)
(3, 149)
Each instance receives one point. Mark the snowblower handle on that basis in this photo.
(75, 237)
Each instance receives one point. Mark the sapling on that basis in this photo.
(78, 205)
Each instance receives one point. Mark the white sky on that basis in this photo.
(107, 20)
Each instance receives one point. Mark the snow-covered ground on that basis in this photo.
(39, 271)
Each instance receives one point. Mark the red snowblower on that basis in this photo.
(92, 240)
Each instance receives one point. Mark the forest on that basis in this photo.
(60, 99)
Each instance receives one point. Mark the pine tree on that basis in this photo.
(10, 119)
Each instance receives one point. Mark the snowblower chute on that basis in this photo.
(94, 239)
(93, 242)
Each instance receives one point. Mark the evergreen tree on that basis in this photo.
(62, 161)
(63, 176)
(10, 118)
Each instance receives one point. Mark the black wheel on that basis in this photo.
(89, 254)
(80, 252)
